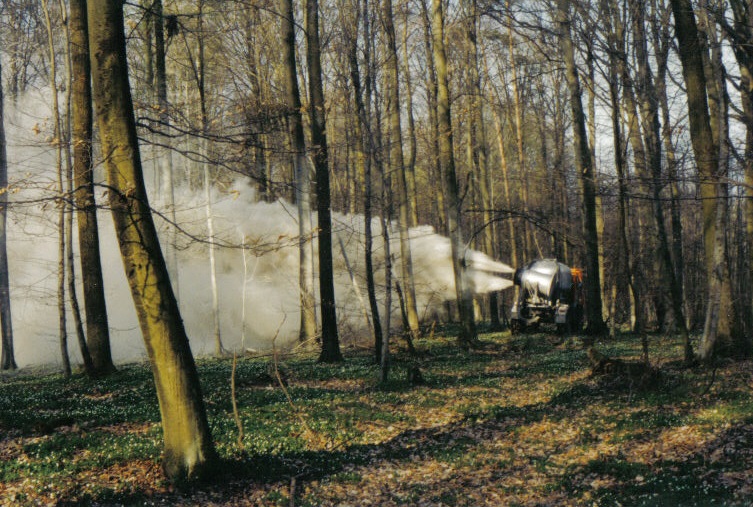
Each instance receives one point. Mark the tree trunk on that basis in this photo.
(701, 138)
(585, 174)
(652, 141)
(522, 168)
(8, 359)
(97, 330)
(307, 330)
(662, 40)
(479, 152)
(410, 166)
(200, 72)
(599, 208)
(330, 341)
(167, 184)
(625, 258)
(57, 143)
(363, 161)
(65, 129)
(188, 449)
(500, 134)
(741, 36)
(468, 337)
(643, 241)
(398, 168)
(716, 87)
(435, 166)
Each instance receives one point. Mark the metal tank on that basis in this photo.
(549, 292)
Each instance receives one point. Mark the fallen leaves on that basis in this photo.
(504, 428)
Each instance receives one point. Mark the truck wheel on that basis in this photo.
(516, 326)
(576, 322)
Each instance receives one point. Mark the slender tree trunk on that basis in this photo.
(387, 199)
(384, 350)
(599, 208)
(741, 36)
(585, 173)
(619, 163)
(188, 449)
(500, 134)
(330, 341)
(57, 141)
(167, 180)
(643, 241)
(718, 99)
(97, 329)
(363, 161)
(468, 337)
(662, 40)
(479, 152)
(219, 350)
(65, 129)
(652, 141)
(701, 138)
(307, 330)
(146, 5)
(563, 196)
(410, 166)
(522, 167)
(615, 41)
(398, 168)
(8, 358)
(435, 167)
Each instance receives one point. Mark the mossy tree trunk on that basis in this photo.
(188, 449)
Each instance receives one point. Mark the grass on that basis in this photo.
(520, 422)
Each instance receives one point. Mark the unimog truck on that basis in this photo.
(549, 292)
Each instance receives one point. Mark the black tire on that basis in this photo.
(575, 320)
(516, 326)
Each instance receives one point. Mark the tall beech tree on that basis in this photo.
(57, 135)
(8, 359)
(398, 168)
(97, 329)
(686, 31)
(468, 337)
(585, 170)
(652, 141)
(364, 162)
(167, 187)
(302, 175)
(740, 33)
(188, 449)
(330, 340)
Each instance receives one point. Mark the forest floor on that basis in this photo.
(521, 422)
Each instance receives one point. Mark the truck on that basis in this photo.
(549, 292)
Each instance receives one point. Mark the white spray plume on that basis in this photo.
(261, 236)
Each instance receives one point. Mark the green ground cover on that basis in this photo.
(520, 422)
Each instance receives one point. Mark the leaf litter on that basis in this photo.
(515, 424)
